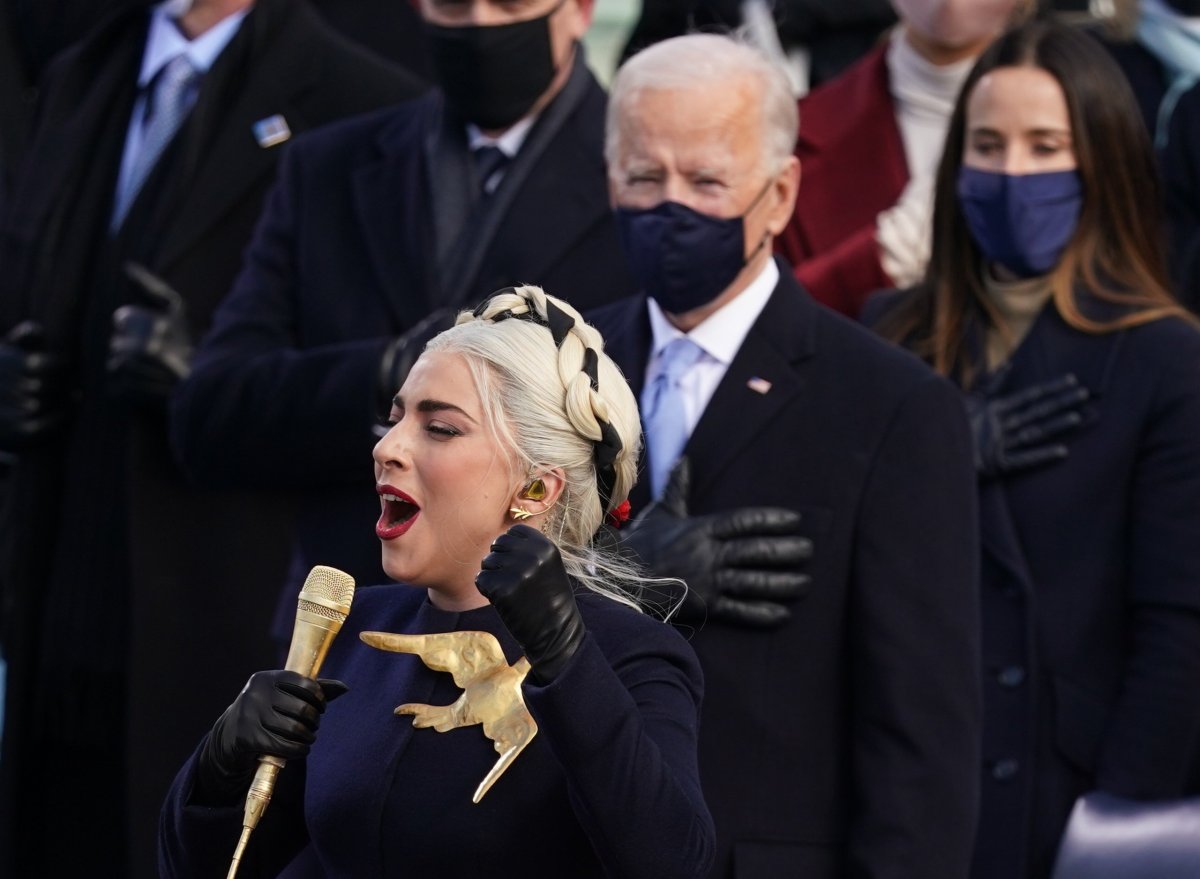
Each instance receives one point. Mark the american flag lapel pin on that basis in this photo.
(758, 385)
(271, 131)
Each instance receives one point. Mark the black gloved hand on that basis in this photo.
(1012, 432)
(524, 579)
(402, 353)
(35, 393)
(276, 713)
(740, 567)
(151, 347)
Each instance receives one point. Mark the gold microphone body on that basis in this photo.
(323, 606)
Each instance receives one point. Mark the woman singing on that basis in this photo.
(515, 415)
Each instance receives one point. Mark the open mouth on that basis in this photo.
(399, 512)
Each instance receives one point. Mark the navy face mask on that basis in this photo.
(682, 258)
(1021, 221)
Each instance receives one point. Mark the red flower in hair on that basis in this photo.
(619, 515)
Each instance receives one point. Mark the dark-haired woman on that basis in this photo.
(1046, 300)
(515, 415)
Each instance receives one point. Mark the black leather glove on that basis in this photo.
(151, 347)
(402, 353)
(1013, 432)
(35, 393)
(741, 566)
(276, 713)
(524, 579)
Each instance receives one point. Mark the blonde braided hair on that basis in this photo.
(557, 401)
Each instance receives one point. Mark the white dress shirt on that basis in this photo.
(719, 336)
(164, 42)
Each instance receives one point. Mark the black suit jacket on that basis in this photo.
(845, 742)
(284, 394)
(152, 551)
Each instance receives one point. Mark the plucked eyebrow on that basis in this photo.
(434, 406)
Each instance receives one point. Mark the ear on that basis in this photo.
(586, 9)
(783, 197)
(554, 482)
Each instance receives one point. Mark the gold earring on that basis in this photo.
(519, 514)
(536, 491)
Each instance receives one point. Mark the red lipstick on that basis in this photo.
(399, 512)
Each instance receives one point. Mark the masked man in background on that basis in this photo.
(839, 734)
(379, 229)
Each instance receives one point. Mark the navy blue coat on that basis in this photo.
(1091, 592)
(284, 390)
(608, 786)
(844, 743)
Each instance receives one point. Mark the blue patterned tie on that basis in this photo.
(170, 99)
(662, 408)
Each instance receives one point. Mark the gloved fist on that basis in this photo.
(151, 347)
(524, 579)
(741, 566)
(277, 713)
(1012, 432)
(35, 393)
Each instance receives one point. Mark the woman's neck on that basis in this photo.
(1018, 301)
(456, 600)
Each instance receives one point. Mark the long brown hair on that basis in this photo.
(1116, 253)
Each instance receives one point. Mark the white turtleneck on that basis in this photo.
(923, 94)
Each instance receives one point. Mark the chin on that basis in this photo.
(402, 570)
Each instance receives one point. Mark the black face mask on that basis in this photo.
(684, 259)
(493, 74)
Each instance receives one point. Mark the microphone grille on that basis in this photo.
(327, 592)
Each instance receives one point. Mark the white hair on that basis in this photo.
(542, 406)
(708, 62)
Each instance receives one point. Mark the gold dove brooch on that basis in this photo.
(491, 691)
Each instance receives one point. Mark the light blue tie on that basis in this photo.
(662, 407)
(170, 99)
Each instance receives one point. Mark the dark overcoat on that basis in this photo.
(846, 742)
(1091, 591)
(121, 581)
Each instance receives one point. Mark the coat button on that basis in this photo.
(1013, 676)
(1003, 770)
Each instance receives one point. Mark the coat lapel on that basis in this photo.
(391, 195)
(84, 106)
(765, 375)
(542, 236)
(229, 159)
(548, 170)
(1052, 349)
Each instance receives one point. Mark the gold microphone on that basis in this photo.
(323, 606)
